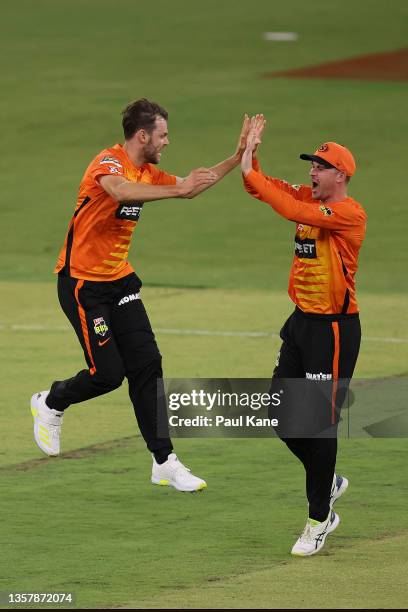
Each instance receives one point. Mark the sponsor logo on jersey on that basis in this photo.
(129, 298)
(111, 160)
(113, 170)
(319, 376)
(297, 187)
(305, 248)
(100, 327)
(326, 210)
(129, 211)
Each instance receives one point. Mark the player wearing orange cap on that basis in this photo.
(100, 292)
(321, 339)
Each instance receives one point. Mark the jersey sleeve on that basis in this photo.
(299, 192)
(288, 202)
(105, 165)
(159, 177)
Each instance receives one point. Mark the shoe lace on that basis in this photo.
(307, 533)
(53, 420)
(180, 468)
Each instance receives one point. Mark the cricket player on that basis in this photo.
(99, 291)
(321, 339)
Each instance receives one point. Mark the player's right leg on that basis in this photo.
(87, 307)
(142, 360)
(293, 415)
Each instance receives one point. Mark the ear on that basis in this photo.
(341, 177)
(142, 136)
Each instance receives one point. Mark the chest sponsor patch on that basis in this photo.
(129, 211)
(305, 248)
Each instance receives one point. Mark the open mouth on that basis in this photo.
(314, 185)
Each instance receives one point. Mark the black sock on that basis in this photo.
(50, 404)
(162, 455)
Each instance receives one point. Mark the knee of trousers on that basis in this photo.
(109, 378)
(148, 368)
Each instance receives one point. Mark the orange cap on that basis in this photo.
(334, 155)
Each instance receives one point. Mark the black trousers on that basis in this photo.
(321, 353)
(117, 339)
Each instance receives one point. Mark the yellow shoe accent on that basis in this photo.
(163, 483)
(202, 486)
(34, 411)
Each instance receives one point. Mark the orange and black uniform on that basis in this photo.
(99, 293)
(321, 339)
(98, 240)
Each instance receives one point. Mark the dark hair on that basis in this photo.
(141, 114)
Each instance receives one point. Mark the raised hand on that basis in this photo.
(242, 140)
(256, 128)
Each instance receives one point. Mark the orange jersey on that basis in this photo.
(99, 234)
(327, 242)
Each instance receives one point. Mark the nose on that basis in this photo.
(312, 171)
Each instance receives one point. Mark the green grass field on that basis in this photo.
(214, 268)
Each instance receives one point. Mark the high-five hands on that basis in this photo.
(256, 127)
(201, 179)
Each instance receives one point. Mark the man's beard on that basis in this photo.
(150, 154)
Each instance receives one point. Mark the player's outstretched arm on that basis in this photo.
(225, 166)
(122, 190)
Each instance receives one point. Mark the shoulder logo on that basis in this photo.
(326, 210)
(324, 147)
(110, 160)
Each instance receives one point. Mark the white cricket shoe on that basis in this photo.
(173, 473)
(339, 486)
(47, 424)
(314, 535)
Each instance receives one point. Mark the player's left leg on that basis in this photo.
(142, 360)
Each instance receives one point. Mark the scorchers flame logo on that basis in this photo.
(100, 327)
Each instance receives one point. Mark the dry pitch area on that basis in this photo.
(390, 66)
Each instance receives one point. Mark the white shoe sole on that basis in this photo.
(343, 489)
(331, 528)
(40, 432)
(168, 483)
